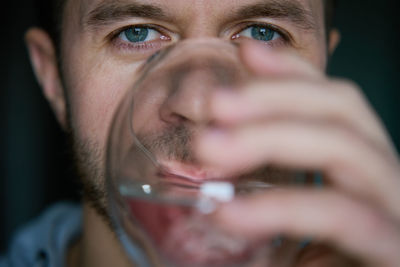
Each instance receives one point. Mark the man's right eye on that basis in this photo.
(140, 34)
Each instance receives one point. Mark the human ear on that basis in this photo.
(334, 40)
(44, 62)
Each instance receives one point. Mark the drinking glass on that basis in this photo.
(163, 218)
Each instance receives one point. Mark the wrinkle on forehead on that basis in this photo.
(192, 8)
(75, 11)
(317, 9)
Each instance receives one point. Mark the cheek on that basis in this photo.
(314, 51)
(318, 58)
(95, 88)
(93, 105)
(147, 103)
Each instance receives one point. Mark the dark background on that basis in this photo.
(34, 167)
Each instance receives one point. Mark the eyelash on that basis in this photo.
(140, 46)
(286, 36)
(157, 43)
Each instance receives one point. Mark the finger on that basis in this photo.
(351, 164)
(338, 102)
(317, 255)
(325, 216)
(263, 60)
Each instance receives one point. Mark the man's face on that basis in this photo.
(105, 43)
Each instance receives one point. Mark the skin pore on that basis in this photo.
(101, 60)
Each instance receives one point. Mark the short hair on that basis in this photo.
(50, 16)
(330, 8)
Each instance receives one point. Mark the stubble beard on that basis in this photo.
(89, 165)
(90, 162)
(173, 143)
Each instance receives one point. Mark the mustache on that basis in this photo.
(173, 143)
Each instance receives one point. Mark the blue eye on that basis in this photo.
(260, 33)
(139, 34)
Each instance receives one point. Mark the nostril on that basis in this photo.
(171, 117)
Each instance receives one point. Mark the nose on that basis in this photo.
(190, 84)
(188, 96)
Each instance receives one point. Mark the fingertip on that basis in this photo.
(254, 55)
(262, 59)
(208, 142)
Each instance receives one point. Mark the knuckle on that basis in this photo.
(374, 223)
(350, 95)
(349, 89)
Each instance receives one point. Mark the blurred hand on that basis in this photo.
(293, 116)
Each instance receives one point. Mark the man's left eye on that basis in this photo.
(260, 33)
(139, 34)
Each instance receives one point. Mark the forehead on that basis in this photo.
(181, 10)
(210, 5)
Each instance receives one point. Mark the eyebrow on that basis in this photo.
(109, 11)
(290, 10)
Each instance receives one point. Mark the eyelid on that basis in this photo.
(161, 30)
(151, 35)
(125, 47)
(286, 36)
